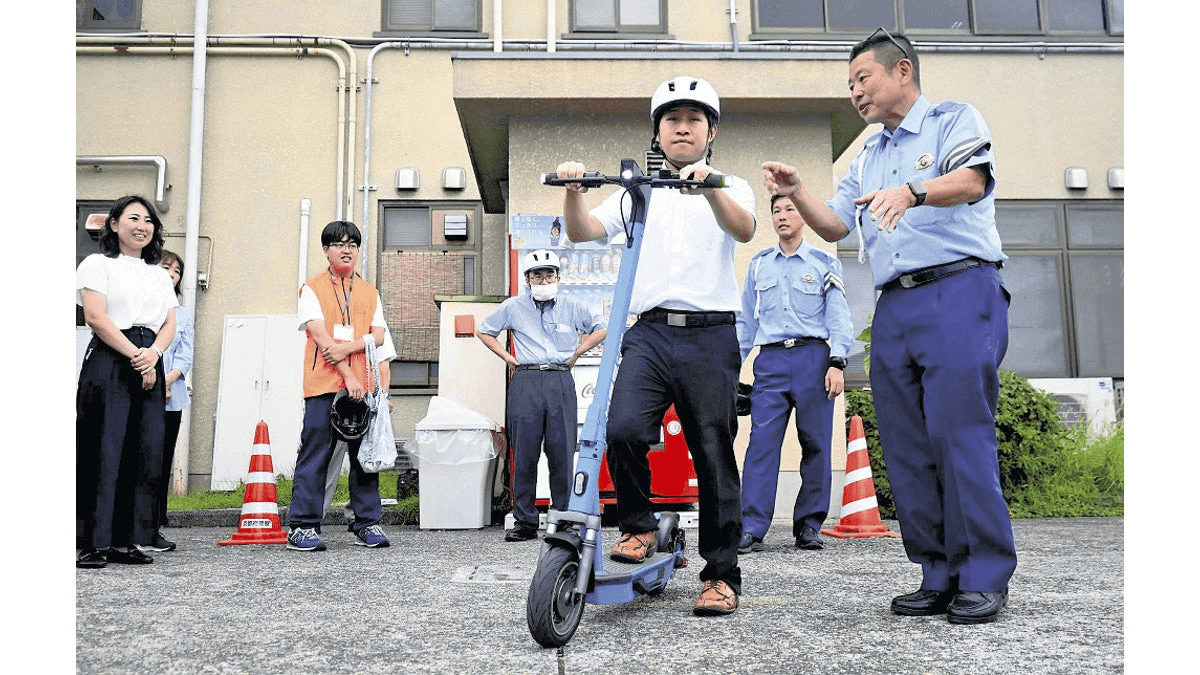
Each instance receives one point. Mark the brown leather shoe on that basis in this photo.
(635, 548)
(716, 599)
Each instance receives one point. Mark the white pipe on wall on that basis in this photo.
(497, 25)
(191, 238)
(551, 26)
(305, 208)
(159, 162)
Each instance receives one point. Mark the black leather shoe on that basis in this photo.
(521, 532)
(922, 602)
(809, 539)
(131, 557)
(750, 544)
(91, 560)
(971, 607)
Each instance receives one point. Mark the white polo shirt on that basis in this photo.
(686, 261)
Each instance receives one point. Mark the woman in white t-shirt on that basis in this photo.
(129, 303)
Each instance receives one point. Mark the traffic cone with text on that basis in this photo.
(259, 523)
(860, 509)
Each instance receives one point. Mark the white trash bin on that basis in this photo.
(456, 450)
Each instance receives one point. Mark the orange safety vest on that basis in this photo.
(319, 376)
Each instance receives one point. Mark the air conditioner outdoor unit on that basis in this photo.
(1082, 401)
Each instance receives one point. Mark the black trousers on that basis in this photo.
(174, 418)
(696, 369)
(119, 434)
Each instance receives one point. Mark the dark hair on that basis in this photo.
(889, 53)
(110, 244)
(338, 230)
(169, 257)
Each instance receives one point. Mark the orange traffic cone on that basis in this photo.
(860, 510)
(260, 508)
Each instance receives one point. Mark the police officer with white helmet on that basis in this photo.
(542, 410)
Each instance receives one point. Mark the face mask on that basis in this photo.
(543, 292)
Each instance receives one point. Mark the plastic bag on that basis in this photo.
(377, 452)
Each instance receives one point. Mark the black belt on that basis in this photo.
(543, 366)
(687, 319)
(928, 274)
(792, 342)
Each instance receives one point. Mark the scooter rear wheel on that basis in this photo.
(553, 610)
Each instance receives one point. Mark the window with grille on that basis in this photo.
(461, 16)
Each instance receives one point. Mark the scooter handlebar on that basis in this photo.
(597, 179)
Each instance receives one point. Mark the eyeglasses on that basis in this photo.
(894, 41)
(543, 277)
(344, 245)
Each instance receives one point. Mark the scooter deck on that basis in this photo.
(624, 582)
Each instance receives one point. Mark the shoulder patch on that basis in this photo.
(948, 107)
(823, 255)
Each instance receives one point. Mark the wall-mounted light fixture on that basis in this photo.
(1075, 178)
(454, 178)
(408, 178)
(1116, 178)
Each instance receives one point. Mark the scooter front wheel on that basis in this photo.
(553, 610)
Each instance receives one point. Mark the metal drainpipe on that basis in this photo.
(366, 176)
(160, 162)
(498, 25)
(733, 24)
(191, 245)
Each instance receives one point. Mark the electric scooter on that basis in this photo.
(572, 569)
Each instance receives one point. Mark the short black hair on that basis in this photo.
(110, 245)
(888, 54)
(338, 230)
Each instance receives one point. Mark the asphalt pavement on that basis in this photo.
(453, 601)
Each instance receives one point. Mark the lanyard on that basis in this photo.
(343, 309)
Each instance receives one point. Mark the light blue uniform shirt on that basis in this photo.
(798, 295)
(542, 335)
(930, 142)
(178, 356)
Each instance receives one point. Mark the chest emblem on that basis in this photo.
(924, 161)
(808, 278)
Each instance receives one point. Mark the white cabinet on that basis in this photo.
(261, 379)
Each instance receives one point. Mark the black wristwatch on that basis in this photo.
(918, 189)
(838, 362)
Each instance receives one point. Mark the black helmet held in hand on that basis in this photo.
(349, 417)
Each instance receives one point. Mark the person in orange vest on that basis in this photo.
(339, 310)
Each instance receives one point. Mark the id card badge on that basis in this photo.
(343, 332)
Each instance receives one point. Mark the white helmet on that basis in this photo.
(540, 259)
(685, 89)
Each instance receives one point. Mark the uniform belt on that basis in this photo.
(792, 342)
(928, 274)
(543, 366)
(687, 319)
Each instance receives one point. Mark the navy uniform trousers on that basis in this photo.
(696, 368)
(317, 438)
(119, 436)
(935, 354)
(542, 409)
(786, 380)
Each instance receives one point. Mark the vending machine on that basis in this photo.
(588, 273)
